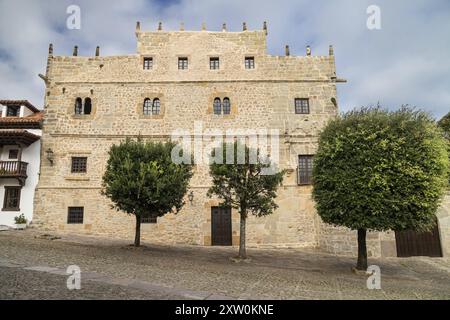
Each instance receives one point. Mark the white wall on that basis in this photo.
(31, 155)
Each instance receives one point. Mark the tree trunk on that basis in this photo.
(242, 250)
(137, 237)
(362, 250)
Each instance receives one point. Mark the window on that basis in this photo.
(156, 106)
(249, 63)
(147, 110)
(226, 106)
(87, 106)
(78, 106)
(148, 219)
(305, 165)
(301, 106)
(12, 199)
(13, 154)
(12, 111)
(182, 63)
(75, 215)
(217, 106)
(214, 63)
(79, 164)
(148, 63)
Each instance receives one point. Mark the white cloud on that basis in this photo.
(407, 61)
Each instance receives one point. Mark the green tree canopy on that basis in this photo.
(244, 186)
(142, 180)
(380, 170)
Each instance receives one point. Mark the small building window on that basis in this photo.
(147, 109)
(75, 215)
(149, 219)
(13, 154)
(148, 63)
(87, 106)
(214, 63)
(156, 107)
(249, 63)
(226, 106)
(79, 164)
(182, 63)
(305, 166)
(301, 106)
(12, 111)
(217, 106)
(78, 106)
(11, 200)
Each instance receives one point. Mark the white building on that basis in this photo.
(20, 133)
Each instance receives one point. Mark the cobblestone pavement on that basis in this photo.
(34, 268)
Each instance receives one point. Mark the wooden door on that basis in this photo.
(221, 226)
(412, 243)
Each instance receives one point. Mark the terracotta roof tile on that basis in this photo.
(20, 102)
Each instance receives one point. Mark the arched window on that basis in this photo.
(226, 106)
(147, 110)
(78, 106)
(217, 106)
(156, 106)
(87, 106)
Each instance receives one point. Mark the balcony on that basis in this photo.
(14, 169)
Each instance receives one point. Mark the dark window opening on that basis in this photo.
(12, 199)
(249, 63)
(182, 63)
(79, 164)
(226, 106)
(214, 63)
(75, 215)
(87, 106)
(12, 111)
(217, 106)
(13, 154)
(301, 106)
(305, 166)
(78, 106)
(148, 63)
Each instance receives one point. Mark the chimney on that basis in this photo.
(97, 51)
(308, 50)
(287, 51)
(75, 51)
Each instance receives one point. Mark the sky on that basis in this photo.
(406, 61)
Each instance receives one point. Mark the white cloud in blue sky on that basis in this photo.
(406, 62)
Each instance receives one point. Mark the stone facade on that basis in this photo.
(262, 97)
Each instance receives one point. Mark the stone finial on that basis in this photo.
(308, 50)
(331, 51)
(159, 26)
(224, 27)
(138, 26)
(181, 26)
(244, 26)
(50, 49)
(203, 26)
(288, 53)
(75, 51)
(97, 51)
(265, 27)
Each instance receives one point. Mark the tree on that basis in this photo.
(142, 180)
(379, 170)
(244, 187)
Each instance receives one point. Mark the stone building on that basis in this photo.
(177, 79)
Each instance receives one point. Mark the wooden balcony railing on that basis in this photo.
(13, 169)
